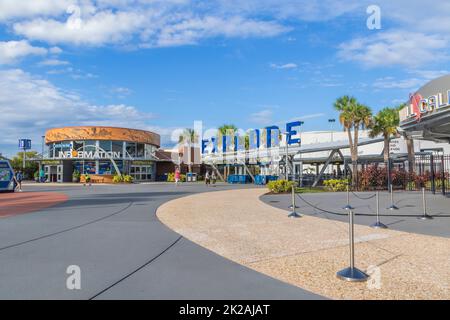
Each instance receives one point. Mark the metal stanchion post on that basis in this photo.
(425, 215)
(348, 206)
(293, 206)
(351, 273)
(378, 224)
(393, 206)
(293, 213)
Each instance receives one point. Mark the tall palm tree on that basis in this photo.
(224, 130)
(385, 123)
(188, 137)
(353, 115)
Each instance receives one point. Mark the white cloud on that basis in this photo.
(283, 66)
(392, 83)
(101, 28)
(11, 9)
(12, 51)
(400, 47)
(31, 105)
(263, 117)
(53, 62)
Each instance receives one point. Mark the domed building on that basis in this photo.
(101, 152)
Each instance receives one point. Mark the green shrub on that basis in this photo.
(336, 185)
(280, 186)
(171, 177)
(117, 179)
(128, 179)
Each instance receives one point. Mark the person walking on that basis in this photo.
(19, 178)
(213, 178)
(207, 178)
(177, 176)
(41, 175)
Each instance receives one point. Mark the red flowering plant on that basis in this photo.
(373, 178)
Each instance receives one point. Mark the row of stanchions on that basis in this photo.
(353, 274)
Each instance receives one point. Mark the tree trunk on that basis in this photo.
(411, 154)
(355, 158)
(386, 149)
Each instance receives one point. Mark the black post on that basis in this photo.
(433, 175)
(443, 175)
(389, 173)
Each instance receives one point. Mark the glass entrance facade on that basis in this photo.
(88, 151)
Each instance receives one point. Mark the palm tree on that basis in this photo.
(353, 116)
(385, 123)
(224, 130)
(188, 136)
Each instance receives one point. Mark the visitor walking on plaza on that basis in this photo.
(41, 176)
(177, 176)
(207, 178)
(213, 178)
(19, 177)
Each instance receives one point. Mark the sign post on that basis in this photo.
(24, 144)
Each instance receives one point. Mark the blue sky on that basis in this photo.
(160, 65)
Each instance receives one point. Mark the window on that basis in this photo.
(119, 165)
(105, 145)
(149, 151)
(105, 167)
(140, 152)
(90, 167)
(90, 145)
(131, 149)
(117, 147)
(78, 145)
(79, 166)
(51, 148)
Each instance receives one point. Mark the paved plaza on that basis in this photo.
(160, 241)
(122, 249)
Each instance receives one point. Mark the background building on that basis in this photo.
(100, 152)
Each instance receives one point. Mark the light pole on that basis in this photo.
(331, 122)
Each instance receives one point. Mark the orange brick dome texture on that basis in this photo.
(102, 133)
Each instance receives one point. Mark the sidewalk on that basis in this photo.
(12, 204)
(308, 252)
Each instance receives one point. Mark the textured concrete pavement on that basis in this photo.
(405, 219)
(123, 250)
(309, 251)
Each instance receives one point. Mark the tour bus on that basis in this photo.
(6, 177)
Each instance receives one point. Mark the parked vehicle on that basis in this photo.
(7, 182)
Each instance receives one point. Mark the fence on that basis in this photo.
(429, 171)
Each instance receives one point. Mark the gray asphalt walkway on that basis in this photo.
(124, 252)
(405, 219)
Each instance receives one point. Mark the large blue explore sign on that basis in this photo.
(6, 176)
(24, 144)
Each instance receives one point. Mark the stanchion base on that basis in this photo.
(393, 207)
(379, 225)
(348, 207)
(294, 215)
(426, 217)
(352, 275)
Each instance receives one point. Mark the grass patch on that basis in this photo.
(310, 190)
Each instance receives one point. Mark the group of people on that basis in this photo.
(210, 178)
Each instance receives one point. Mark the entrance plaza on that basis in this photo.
(161, 241)
(410, 260)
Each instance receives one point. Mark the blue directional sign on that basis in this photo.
(6, 176)
(24, 144)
